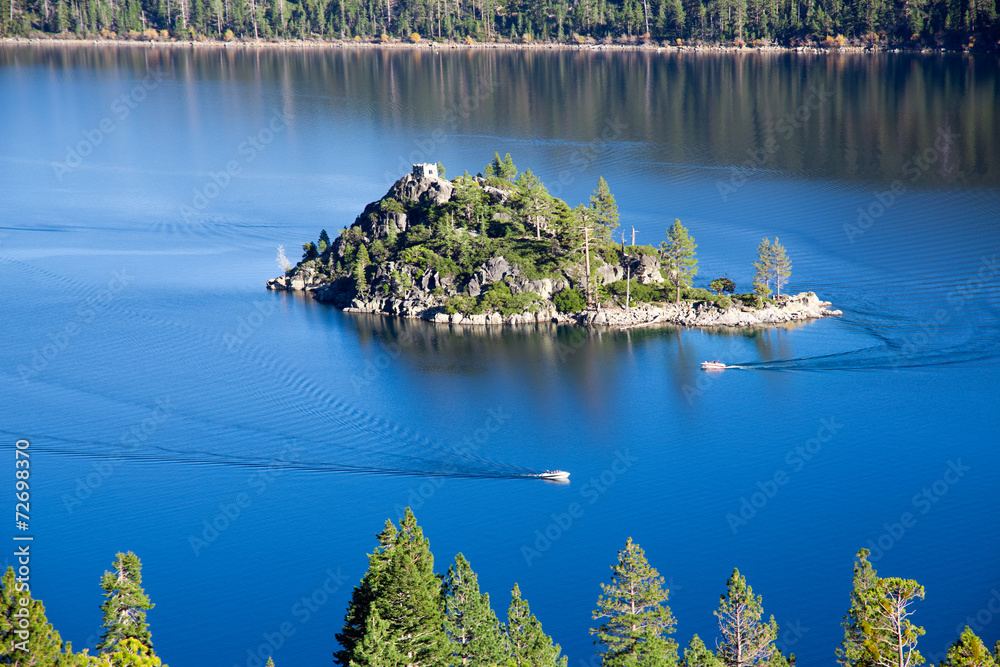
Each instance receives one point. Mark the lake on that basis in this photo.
(248, 445)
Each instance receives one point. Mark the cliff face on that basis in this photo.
(430, 249)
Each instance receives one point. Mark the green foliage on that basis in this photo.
(126, 604)
(746, 639)
(722, 286)
(472, 625)
(440, 170)
(698, 655)
(503, 169)
(750, 300)
(309, 252)
(466, 305)
(763, 269)
(24, 629)
(400, 585)
(360, 278)
(968, 651)
(678, 256)
(527, 643)
(132, 653)
(569, 300)
(781, 266)
(638, 292)
(498, 298)
(698, 294)
(324, 238)
(724, 302)
(602, 202)
(390, 205)
(638, 618)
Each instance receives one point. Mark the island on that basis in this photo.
(497, 248)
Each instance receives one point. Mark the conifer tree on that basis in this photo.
(746, 639)
(472, 625)
(638, 619)
(401, 586)
(378, 646)
(360, 281)
(130, 652)
(605, 209)
(678, 257)
(698, 655)
(533, 199)
(781, 266)
(877, 629)
(126, 604)
(504, 168)
(527, 643)
(763, 268)
(968, 651)
(25, 632)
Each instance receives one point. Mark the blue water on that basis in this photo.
(163, 389)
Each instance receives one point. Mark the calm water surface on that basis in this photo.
(163, 388)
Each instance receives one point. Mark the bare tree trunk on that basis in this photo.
(586, 250)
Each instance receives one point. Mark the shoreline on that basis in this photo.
(427, 45)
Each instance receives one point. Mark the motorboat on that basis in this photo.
(554, 474)
(712, 365)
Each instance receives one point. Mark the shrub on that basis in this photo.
(724, 302)
(415, 37)
(722, 286)
(466, 305)
(697, 294)
(569, 300)
(228, 36)
(750, 300)
(498, 297)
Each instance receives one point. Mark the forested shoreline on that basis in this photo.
(967, 25)
(404, 614)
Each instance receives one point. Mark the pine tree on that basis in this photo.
(877, 629)
(605, 209)
(533, 199)
(378, 646)
(678, 257)
(528, 644)
(401, 587)
(764, 268)
(746, 640)
(698, 655)
(638, 618)
(852, 649)
(781, 266)
(360, 281)
(25, 632)
(968, 651)
(126, 604)
(324, 241)
(504, 168)
(472, 625)
(131, 652)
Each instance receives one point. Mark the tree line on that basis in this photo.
(959, 24)
(403, 614)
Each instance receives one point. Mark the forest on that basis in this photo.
(404, 614)
(950, 24)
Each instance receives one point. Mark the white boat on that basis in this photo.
(712, 365)
(554, 474)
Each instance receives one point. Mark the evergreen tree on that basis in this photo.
(781, 266)
(698, 655)
(746, 640)
(378, 646)
(401, 587)
(678, 257)
(504, 169)
(764, 268)
(131, 652)
(533, 200)
(26, 636)
(126, 604)
(472, 625)
(324, 241)
(528, 644)
(605, 209)
(968, 651)
(852, 649)
(360, 281)
(877, 629)
(638, 618)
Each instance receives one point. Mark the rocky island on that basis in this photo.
(497, 248)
